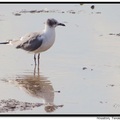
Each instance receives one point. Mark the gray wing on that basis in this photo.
(31, 42)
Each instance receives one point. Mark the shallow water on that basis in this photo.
(79, 74)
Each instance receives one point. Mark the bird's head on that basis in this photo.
(53, 23)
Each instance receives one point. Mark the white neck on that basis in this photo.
(48, 28)
(49, 32)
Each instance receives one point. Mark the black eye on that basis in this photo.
(55, 22)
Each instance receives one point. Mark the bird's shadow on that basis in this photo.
(38, 86)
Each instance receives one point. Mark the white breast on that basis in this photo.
(48, 40)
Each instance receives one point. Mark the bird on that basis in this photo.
(37, 42)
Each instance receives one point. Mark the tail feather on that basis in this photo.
(4, 42)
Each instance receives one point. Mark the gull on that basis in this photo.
(37, 42)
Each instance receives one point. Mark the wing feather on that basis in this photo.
(31, 42)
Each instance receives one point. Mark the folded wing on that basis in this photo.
(30, 42)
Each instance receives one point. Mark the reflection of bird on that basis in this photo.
(37, 42)
(37, 86)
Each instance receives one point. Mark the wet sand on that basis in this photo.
(80, 74)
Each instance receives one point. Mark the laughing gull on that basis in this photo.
(37, 42)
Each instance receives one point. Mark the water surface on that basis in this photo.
(79, 74)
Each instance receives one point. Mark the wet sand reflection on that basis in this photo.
(38, 86)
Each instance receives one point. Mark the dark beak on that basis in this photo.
(61, 24)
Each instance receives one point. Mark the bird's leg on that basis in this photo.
(35, 59)
(38, 59)
(38, 62)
